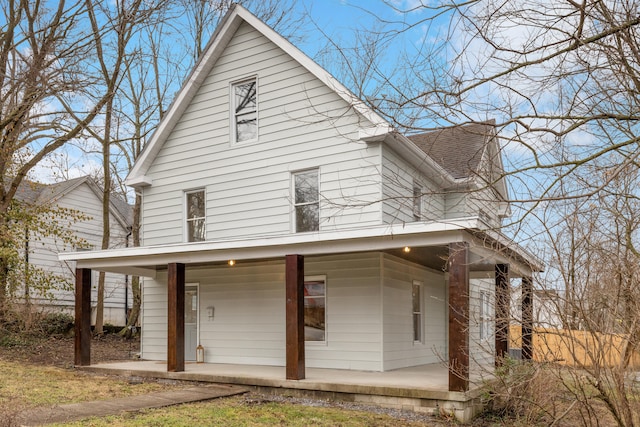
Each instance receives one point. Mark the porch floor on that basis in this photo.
(417, 382)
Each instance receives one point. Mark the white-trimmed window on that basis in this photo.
(245, 110)
(315, 304)
(195, 218)
(306, 201)
(485, 315)
(417, 202)
(416, 307)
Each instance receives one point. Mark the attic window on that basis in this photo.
(245, 111)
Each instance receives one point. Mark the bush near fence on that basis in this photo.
(576, 348)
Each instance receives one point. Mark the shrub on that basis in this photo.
(54, 324)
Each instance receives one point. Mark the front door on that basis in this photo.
(190, 322)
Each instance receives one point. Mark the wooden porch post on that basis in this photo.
(502, 312)
(527, 318)
(82, 327)
(175, 335)
(458, 317)
(294, 266)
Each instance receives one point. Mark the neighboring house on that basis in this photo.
(550, 313)
(41, 252)
(285, 223)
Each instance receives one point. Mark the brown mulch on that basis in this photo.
(58, 351)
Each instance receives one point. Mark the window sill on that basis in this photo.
(316, 343)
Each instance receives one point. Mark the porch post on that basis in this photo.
(82, 327)
(294, 266)
(527, 318)
(502, 312)
(175, 335)
(458, 317)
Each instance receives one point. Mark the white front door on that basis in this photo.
(190, 322)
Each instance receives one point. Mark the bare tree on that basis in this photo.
(43, 53)
(562, 82)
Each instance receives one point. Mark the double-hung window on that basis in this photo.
(245, 111)
(195, 208)
(416, 303)
(315, 302)
(306, 195)
(417, 202)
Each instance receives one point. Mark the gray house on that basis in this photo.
(286, 224)
(81, 195)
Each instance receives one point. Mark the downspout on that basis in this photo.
(126, 282)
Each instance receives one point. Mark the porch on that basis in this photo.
(421, 388)
(379, 296)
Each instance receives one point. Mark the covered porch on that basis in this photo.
(457, 249)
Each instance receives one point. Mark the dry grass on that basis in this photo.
(24, 386)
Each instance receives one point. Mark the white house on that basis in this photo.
(40, 252)
(285, 223)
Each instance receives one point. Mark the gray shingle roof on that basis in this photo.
(37, 193)
(459, 149)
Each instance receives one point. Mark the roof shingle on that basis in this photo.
(459, 149)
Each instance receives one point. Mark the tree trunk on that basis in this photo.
(135, 280)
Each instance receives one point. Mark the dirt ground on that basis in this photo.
(58, 351)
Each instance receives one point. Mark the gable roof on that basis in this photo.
(35, 193)
(221, 37)
(459, 150)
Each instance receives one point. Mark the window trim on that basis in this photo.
(322, 277)
(484, 317)
(294, 215)
(186, 214)
(232, 110)
(420, 286)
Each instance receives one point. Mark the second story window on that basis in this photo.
(245, 111)
(306, 201)
(195, 209)
(417, 202)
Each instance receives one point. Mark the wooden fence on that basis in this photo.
(576, 348)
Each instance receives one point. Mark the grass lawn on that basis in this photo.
(33, 385)
(237, 411)
(25, 385)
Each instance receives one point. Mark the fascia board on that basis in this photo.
(369, 238)
(420, 160)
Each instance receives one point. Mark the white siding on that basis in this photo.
(43, 253)
(354, 321)
(481, 352)
(483, 203)
(302, 124)
(249, 313)
(397, 192)
(399, 347)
